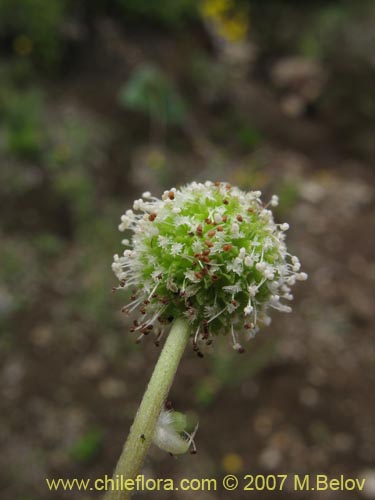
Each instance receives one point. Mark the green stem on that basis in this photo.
(143, 428)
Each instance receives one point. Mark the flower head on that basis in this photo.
(209, 252)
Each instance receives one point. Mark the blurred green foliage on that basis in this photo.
(327, 29)
(87, 446)
(150, 91)
(66, 162)
(34, 27)
(48, 160)
(339, 29)
(166, 12)
(249, 137)
(316, 42)
(41, 29)
(21, 116)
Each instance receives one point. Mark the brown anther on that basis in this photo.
(250, 210)
(143, 310)
(154, 296)
(152, 217)
(215, 277)
(171, 195)
(211, 233)
(122, 283)
(217, 184)
(227, 247)
(114, 289)
(146, 302)
(206, 252)
(164, 301)
(133, 297)
(190, 233)
(209, 342)
(208, 221)
(150, 327)
(241, 350)
(220, 229)
(194, 263)
(208, 244)
(205, 259)
(132, 329)
(248, 326)
(225, 218)
(198, 275)
(225, 201)
(204, 271)
(159, 276)
(197, 255)
(234, 302)
(228, 186)
(239, 218)
(199, 230)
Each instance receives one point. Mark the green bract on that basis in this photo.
(208, 252)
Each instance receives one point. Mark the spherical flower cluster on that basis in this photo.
(211, 253)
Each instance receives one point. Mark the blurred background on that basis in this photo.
(101, 100)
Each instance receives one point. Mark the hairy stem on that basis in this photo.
(143, 428)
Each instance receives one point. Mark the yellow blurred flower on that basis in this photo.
(233, 29)
(214, 8)
(230, 22)
(232, 463)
